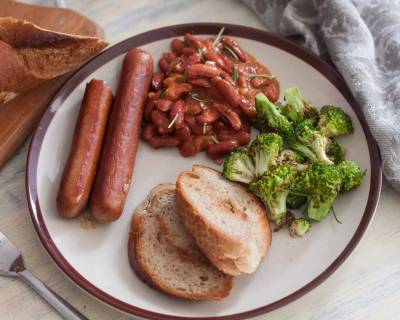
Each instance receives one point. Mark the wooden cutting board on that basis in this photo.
(20, 116)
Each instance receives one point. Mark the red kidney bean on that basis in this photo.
(163, 105)
(190, 40)
(188, 148)
(220, 126)
(194, 58)
(242, 81)
(229, 65)
(152, 97)
(227, 91)
(248, 108)
(207, 116)
(201, 82)
(231, 116)
(164, 142)
(177, 46)
(149, 131)
(221, 149)
(242, 137)
(245, 127)
(177, 91)
(160, 121)
(210, 54)
(178, 111)
(193, 106)
(163, 65)
(202, 142)
(196, 128)
(187, 51)
(178, 66)
(272, 91)
(202, 71)
(183, 133)
(172, 80)
(258, 82)
(156, 81)
(234, 46)
(169, 56)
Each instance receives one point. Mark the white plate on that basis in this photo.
(96, 259)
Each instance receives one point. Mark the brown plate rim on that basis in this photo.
(173, 31)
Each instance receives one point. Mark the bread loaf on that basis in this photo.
(29, 55)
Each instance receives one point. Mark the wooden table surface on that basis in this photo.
(366, 287)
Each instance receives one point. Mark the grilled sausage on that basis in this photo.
(113, 178)
(79, 172)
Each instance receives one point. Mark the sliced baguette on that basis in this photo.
(29, 55)
(229, 224)
(166, 257)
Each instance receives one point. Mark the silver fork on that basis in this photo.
(12, 265)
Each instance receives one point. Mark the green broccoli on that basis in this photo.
(352, 175)
(336, 151)
(295, 201)
(269, 116)
(238, 166)
(273, 188)
(322, 183)
(299, 227)
(264, 151)
(310, 143)
(290, 156)
(334, 122)
(296, 108)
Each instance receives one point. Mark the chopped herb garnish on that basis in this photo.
(204, 128)
(235, 72)
(214, 139)
(218, 37)
(200, 52)
(230, 51)
(185, 76)
(195, 96)
(268, 76)
(172, 121)
(334, 214)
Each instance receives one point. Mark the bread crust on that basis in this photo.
(141, 268)
(29, 55)
(229, 254)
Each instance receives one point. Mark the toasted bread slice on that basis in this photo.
(165, 256)
(229, 224)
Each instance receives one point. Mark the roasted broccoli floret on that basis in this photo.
(352, 175)
(238, 166)
(264, 151)
(334, 122)
(295, 201)
(270, 116)
(299, 227)
(310, 143)
(290, 156)
(322, 183)
(273, 188)
(296, 108)
(336, 152)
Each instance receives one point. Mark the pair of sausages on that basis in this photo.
(103, 171)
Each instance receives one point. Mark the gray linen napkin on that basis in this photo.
(362, 38)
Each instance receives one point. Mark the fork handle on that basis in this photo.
(58, 303)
